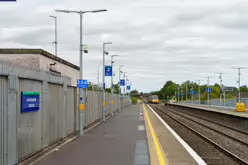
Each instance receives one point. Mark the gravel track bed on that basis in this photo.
(228, 120)
(209, 153)
(228, 131)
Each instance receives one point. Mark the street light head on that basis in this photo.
(63, 11)
(52, 16)
(98, 11)
(105, 43)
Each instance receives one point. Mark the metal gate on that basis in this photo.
(3, 121)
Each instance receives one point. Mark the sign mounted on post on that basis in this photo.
(82, 84)
(192, 92)
(108, 70)
(208, 90)
(228, 89)
(30, 101)
(122, 83)
(128, 87)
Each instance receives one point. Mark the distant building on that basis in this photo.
(40, 60)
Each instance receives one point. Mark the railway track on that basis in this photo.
(216, 144)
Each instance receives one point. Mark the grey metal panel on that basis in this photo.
(53, 115)
(29, 124)
(70, 111)
(3, 120)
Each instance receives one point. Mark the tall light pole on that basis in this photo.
(112, 84)
(239, 68)
(199, 92)
(120, 87)
(208, 90)
(81, 100)
(178, 93)
(103, 81)
(124, 77)
(186, 92)
(56, 41)
(221, 89)
(182, 93)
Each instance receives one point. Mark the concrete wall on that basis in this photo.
(40, 62)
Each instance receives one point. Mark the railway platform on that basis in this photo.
(224, 110)
(134, 136)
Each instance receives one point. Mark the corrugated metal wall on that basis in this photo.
(3, 117)
(70, 111)
(29, 124)
(53, 114)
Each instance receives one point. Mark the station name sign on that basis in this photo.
(30, 101)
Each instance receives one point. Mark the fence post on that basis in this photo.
(12, 152)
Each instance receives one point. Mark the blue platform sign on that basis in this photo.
(108, 70)
(122, 82)
(208, 90)
(82, 84)
(192, 92)
(128, 87)
(30, 101)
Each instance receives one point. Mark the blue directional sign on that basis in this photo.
(108, 70)
(122, 83)
(128, 87)
(192, 92)
(30, 101)
(82, 84)
(209, 90)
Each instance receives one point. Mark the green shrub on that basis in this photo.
(134, 100)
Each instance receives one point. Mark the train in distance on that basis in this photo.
(153, 99)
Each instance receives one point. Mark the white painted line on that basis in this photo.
(141, 127)
(197, 158)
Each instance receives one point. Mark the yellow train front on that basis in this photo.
(153, 99)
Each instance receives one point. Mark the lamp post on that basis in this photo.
(120, 87)
(112, 84)
(199, 92)
(103, 80)
(81, 100)
(221, 89)
(208, 90)
(56, 41)
(239, 68)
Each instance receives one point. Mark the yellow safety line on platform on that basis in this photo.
(155, 140)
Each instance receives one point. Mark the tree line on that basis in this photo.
(170, 87)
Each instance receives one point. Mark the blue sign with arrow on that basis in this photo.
(128, 87)
(122, 83)
(108, 70)
(82, 84)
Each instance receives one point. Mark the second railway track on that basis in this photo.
(214, 143)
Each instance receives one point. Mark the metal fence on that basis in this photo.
(23, 134)
(229, 103)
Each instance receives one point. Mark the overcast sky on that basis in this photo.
(157, 40)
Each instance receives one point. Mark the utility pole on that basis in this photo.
(192, 92)
(221, 89)
(178, 93)
(56, 41)
(239, 74)
(208, 90)
(182, 93)
(103, 81)
(120, 86)
(186, 92)
(199, 92)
